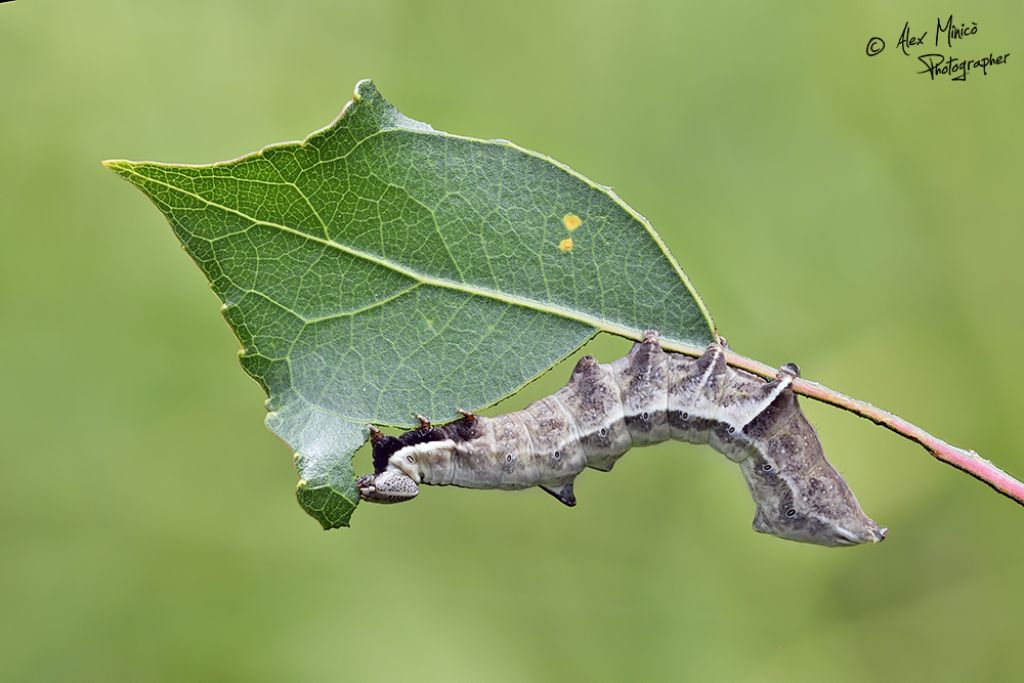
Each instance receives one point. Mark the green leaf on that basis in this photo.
(381, 268)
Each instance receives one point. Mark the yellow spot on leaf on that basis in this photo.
(571, 222)
(566, 244)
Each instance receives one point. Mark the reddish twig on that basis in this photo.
(968, 461)
(965, 460)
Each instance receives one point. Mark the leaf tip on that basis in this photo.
(121, 167)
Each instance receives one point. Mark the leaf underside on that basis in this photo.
(381, 268)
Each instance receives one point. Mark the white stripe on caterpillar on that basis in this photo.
(646, 397)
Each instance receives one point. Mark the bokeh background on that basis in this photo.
(833, 209)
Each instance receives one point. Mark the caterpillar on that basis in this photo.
(646, 397)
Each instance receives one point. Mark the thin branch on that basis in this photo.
(968, 461)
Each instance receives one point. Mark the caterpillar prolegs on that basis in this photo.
(646, 397)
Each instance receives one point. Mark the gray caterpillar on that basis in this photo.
(644, 398)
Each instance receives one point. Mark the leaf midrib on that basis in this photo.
(442, 283)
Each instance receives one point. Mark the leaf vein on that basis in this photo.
(465, 288)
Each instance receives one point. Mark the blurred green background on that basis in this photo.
(833, 209)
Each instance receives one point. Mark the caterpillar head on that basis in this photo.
(812, 505)
(390, 486)
(398, 462)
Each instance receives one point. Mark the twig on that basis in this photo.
(967, 461)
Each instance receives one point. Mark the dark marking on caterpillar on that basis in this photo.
(646, 397)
